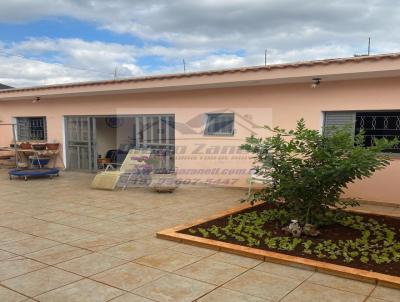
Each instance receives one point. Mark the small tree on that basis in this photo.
(310, 170)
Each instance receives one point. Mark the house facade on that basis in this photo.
(198, 120)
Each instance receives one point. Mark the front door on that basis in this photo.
(80, 141)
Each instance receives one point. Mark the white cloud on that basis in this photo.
(22, 72)
(217, 62)
(69, 60)
(80, 54)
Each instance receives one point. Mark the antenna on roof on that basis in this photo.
(369, 50)
(369, 45)
(115, 72)
(265, 57)
(184, 65)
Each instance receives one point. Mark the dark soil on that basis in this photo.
(333, 232)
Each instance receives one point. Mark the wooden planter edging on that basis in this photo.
(341, 270)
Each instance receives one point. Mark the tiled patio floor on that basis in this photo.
(61, 241)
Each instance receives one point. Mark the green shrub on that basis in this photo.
(310, 170)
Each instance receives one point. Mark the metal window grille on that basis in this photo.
(380, 124)
(31, 128)
(220, 124)
(373, 125)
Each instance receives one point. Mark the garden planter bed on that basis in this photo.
(384, 272)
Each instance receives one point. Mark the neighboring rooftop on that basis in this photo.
(2, 86)
(358, 67)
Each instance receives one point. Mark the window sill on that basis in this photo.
(32, 141)
(219, 135)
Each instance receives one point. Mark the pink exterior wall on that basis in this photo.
(274, 105)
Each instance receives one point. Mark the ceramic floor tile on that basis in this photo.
(81, 291)
(386, 293)
(128, 276)
(226, 295)
(29, 245)
(211, 271)
(9, 218)
(17, 266)
(310, 292)
(45, 229)
(96, 243)
(3, 229)
(133, 218)
(38, 282)
(157, 242)
(8, 295)
(135, 214)
(70, 235)
(101, 213)
(131, 233)
(235, 259)
(173, 288)
(103, 226)
(23, 222)
(131, 250)
(12, 236)
(76, 220)
(370, 299)
(282, 270)
(57, 254)
(90, 264)
(6, 255)
(130, 298)
(53, 216)
(262, 285)
(168, 260)
(350, 285)
(193, 250)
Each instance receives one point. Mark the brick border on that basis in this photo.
(341, 270)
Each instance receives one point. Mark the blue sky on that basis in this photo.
(56, 41)
(69, 28)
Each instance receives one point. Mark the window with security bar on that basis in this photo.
(381, 124)
(220, 124)
(374, 125)
(31, 129)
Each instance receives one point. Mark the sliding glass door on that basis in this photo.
(80, 139)
(155, 132)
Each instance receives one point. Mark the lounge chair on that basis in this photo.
(109, 179)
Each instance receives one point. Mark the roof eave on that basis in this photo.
(329, 70)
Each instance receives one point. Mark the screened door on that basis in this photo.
(80, 143)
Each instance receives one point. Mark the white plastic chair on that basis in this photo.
(260, 179)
